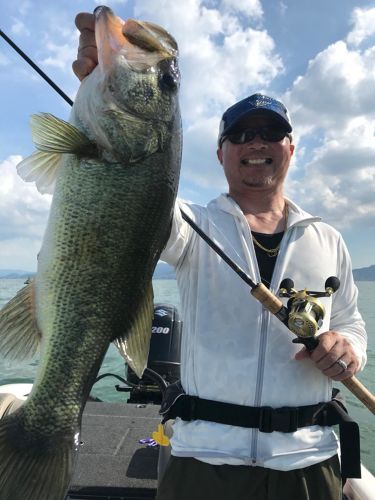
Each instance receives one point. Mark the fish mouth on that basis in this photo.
(132, 37)
(256, 161)
(150, 37)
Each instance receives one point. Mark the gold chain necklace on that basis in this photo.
(272, 252)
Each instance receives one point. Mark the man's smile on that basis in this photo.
(256, 161)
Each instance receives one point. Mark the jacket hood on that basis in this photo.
(296, 216)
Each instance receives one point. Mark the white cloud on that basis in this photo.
(283, 8)
(23, 216)
(61, 56)
(110, 3)
(334, 99)
(4, 61)
(221, 59)
(19, 28)
(59, 48)
(24, 7)
(364, 26)
(252, 8)
(336, 87)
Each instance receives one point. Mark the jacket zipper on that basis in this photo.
(262, 339)
(265, 318)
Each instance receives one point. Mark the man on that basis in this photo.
(233, 350)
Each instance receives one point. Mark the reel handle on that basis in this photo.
(332, 284)
(287, 284)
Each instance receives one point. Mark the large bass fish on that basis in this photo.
(114, 173)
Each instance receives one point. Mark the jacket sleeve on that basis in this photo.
(180, 235)
(345, 317)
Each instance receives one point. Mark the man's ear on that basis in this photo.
(219, 153)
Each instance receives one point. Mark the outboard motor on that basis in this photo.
(163, 364)
(165, 347)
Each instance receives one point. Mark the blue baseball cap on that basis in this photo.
(251, 105)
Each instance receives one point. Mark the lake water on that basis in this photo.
(166, 292)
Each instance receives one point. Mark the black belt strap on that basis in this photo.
(284, 419)
(265, 418)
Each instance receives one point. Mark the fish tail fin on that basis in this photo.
(31, 469)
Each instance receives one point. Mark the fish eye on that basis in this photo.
(168, 75)
(167, 81)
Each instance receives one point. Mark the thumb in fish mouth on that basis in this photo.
(113, 35)
(108, 35)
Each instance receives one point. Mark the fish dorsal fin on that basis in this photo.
(19, 333)
(40, 168)
(53, 135)
(134, 346)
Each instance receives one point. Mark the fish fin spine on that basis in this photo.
(41, 168)
(53, 135)
(134, 345)
(19, 333)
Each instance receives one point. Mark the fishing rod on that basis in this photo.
(36, 68)
(303, 313)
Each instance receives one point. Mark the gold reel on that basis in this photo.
(306, 315)
(306, 312)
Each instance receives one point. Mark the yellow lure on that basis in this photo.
(160, 437)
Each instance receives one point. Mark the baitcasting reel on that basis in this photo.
(305, 312)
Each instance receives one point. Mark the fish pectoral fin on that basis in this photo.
(134, 346)
(19, 334)
(41, 168)
(53, 135)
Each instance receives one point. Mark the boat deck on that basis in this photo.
(111, 462)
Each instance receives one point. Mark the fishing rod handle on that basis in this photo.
(267, 298)
(360, 392)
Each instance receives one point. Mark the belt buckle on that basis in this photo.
(284, 419)
(265, 419)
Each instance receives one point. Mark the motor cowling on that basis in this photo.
(165, 345)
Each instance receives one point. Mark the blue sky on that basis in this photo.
(318, 57)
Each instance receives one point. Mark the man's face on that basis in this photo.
(257, 164)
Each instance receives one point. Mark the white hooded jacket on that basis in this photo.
(234, 350)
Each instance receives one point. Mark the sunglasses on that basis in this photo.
(269, 134)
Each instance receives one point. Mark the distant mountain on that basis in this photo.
(364, 273)
(163, 271)
(15, 274)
